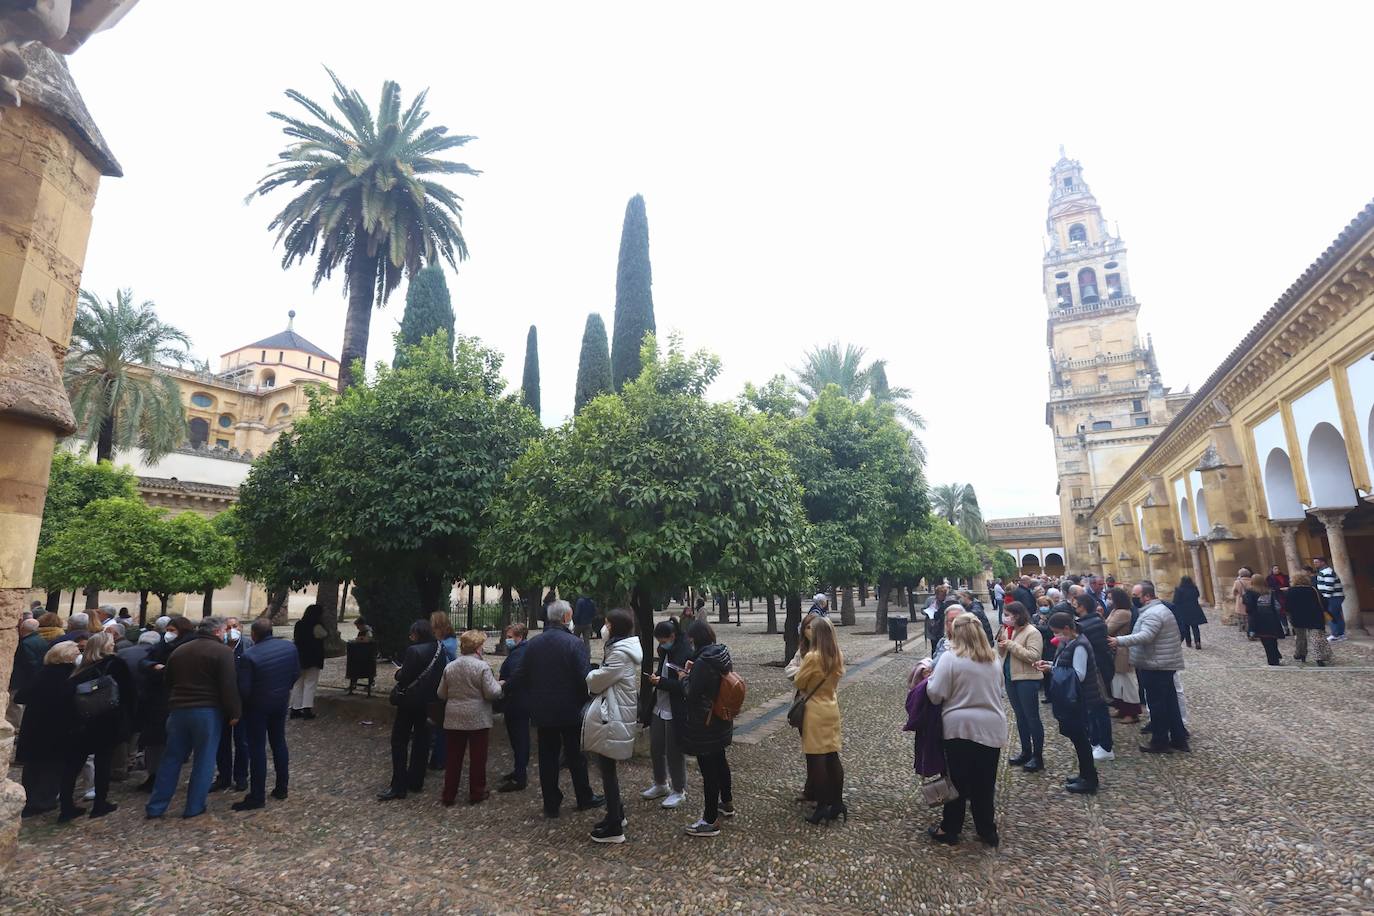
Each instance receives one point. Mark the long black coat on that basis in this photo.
(515, 700)
(309, 646)
(554, 676)
(698, 732)
(117, 725)
(46, 734)
(1305, 608)
(419, 668)
(1263, 611)
(1187, 606)
(156, 694)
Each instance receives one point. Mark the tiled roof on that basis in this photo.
(287, 340)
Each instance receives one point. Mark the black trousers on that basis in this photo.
(409, 734)
(1271, 649)
(262, 727)
(610, 787)
(715, 784)
(973, 768)
(76, 759)
(553, 743)
(1082, 746)
(1190, 633)
(825, 776)
(1166, 721)
(232, 759)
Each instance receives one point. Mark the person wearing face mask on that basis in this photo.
(609, 723)
(516, 708)
(232, 758)
(177, 631)
(668, 759)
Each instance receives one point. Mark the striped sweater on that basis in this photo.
(1329, 584)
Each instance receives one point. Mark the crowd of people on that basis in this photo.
(99, 697)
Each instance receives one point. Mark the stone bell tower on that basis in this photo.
(1106, 401)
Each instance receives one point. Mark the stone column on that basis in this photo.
(1334, 520)
(1195, 552)
(1288, 532)
(48, 182)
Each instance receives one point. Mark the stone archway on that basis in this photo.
(1185, 517)
(1204, 523)
(1280, 489)
(1328, 469)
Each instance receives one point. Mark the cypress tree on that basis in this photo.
(594, 364)
(428, 310)
(529, 385)
(634, 301)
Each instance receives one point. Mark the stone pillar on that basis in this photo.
(48, 182)
(1288, 532)
(1334, 520)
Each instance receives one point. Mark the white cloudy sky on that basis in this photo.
(874, 173)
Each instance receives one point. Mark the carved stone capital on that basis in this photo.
(30, 378)
(1332, 518)
(1221, 533)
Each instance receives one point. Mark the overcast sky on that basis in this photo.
(871, 173)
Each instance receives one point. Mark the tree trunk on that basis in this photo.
(723, 607)
(143, 608)
(505, 607)
(327, 597)
(772, 614)
(530, 598)
(92, 597)
(847, 606)
(104, 443)
(279, 607)
(54, 602)
(207, 604)
(343, 601)
(163, 598)
(791, 621)
(432, 588)
(880, 618)
(362, 287)
(470, 593)
(863, 594)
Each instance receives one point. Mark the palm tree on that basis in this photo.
(366, 205)
(833, 365)
(119, 396)
(957, 504)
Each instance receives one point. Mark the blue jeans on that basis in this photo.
(1025, 702)
(1333, 607)
(1100, 726)
(261, 727)
(195, 730)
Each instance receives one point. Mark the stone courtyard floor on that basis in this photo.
(1273, 812)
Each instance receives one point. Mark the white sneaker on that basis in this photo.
(1332, 638)
(1340, 638)
(675, 799)
(89, 796)
(1100, 754)
(654, 791)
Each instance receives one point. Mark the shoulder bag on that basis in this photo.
(796, 713)
(400, 693)
(96, 697)
(938, 790)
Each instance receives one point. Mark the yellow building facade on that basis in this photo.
(1271, 462)
(1036, 542)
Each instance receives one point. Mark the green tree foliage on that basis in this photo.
(75, 482)
(939, 551)
(392, 479)
(957, 504)
(119, 395)
(428, 310)
(634, 301)
(269, 519)
(650, 489)
(367, 200)
(593, 364)
(529, 379)
(1003, 564)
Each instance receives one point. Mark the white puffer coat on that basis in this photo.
(611, 718)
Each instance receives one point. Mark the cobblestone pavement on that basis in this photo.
(1271, 813)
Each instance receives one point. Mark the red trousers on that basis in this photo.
(454, 743)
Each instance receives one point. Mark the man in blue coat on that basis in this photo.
(266, 672)
(553, 677)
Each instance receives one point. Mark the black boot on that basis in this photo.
(1034, 765)
(1020, 759)
(821, 815)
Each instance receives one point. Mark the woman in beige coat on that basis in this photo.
(1125, 692)
(467, 689)
(818, 678)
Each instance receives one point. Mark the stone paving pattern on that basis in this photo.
(1273, 812)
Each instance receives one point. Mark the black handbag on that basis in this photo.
(400, 694)
(96, 697)
(796, 713)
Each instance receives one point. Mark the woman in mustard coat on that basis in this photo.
(819, 678)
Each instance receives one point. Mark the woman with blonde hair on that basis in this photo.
(96, 733)
(467, 689)
(44, 738)
(818, 679)
(808, 792)
(968, 684)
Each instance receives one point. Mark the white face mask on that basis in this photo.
(606, 631)
(232, 635)
(169, 636)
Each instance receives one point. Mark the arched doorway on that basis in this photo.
(1203, 521)
(1280, 489)
(1185, 518)
(1328, 469)
(1054, 564)
(1030, 563)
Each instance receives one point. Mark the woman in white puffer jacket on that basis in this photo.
(612, 720)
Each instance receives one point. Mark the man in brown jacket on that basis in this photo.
(203, 699)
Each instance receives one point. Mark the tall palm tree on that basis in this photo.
(119, 396)
(834, 365)
(365, 204)
(957, 504)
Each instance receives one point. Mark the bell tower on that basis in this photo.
(1106, 400)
